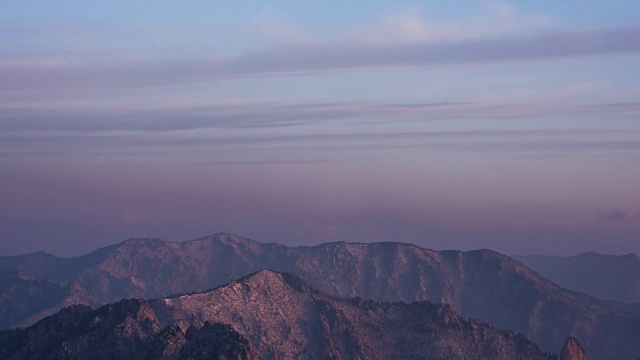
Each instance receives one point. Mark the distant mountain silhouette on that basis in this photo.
(607, 277)
(269, 315)
(478, 284)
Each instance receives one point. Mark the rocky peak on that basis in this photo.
(224, 238)
(267, 280)
(572, 350)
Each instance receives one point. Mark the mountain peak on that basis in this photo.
(224, 238)
(143, 241)
(262, 276)
(572, 350)
(267, 280)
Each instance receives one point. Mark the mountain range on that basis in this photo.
(269, 315)
(478, 284)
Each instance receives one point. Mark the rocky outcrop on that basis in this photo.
(572, 350)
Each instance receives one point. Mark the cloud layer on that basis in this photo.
(319, 58)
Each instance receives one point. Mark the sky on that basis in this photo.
(513, 126)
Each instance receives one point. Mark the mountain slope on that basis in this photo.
(25, 299)
(478, 284)
(128, 329)
(607, 277)
(271, 316)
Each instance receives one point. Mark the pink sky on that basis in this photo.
(505, 125)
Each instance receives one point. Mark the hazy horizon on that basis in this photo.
(507, 125)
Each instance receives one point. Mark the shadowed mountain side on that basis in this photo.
(128, 329)
(478, 284)
(607, 277)
(25, 299)
(271, 316)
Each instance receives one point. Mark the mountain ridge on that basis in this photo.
(480, 284)
(269, 315)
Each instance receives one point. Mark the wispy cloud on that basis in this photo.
(496, 49)
(410, 25)
(242, 147)
(175, 116)
(324, 57)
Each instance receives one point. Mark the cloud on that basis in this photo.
(625, 214)
(410, 25)
(249, 148)
(334, 57)
(321, 58)
(84, 119)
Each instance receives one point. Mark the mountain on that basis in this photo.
(269, 315)
(607, 277)
(25, 299)
(478, 284)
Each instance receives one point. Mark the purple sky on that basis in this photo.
(502, 125)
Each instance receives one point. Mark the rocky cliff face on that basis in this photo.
(478, 284)
(267, 315)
